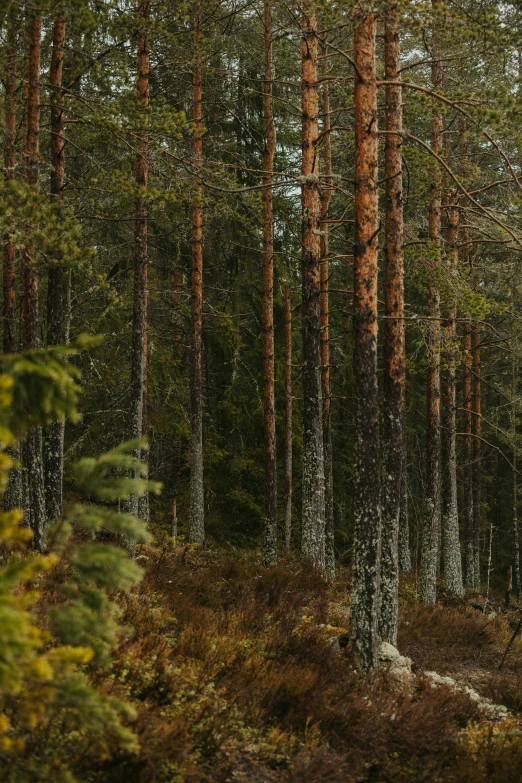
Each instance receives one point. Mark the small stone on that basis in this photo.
(335, 647)
(387, 652)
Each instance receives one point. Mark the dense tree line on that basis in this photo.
(297, 226)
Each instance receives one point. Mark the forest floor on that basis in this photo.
(233, 678)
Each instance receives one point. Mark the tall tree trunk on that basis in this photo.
(394, 338)
(514, 487)
(13, 494)
(143, 501)
(325, 342)
(31, 451)
(270, 543)
(404, 522)
(313, 527)
(477, 451)
(54, 435)
(288, 418)
(141, 249)
(9, 279)
(467, 387)
(430, 550)
(449, 512)
(197, 510)
(367, 500)
(177, 317)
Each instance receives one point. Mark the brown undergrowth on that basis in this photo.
(233, 679)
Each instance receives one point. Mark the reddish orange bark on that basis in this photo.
(367, 500)
(313, 526)
(29, 309)
(9, 279)
(31, 451)
(394, 336)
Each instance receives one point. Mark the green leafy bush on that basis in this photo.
(58, 613)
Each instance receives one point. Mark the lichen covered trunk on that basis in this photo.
(13, 494)
(9, 278)
(367, 500)
(54, 435)
(143, 501)
(141, 249)
(394, 339)
(405, 563)
(477, 452)
(270, 539)
(449, 510)
(325, 341)
(196, 532)
(31, 448)
(313, 512)
(468, 455)
(514, 472)
(430, 548)
(288, 418)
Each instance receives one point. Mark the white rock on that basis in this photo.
(387, 652)
(334, 644)
(399, 667)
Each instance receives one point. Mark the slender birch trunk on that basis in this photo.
(13, 493)
(31, 450)
(394, 338)
(367, 500)
(270, 542)
(54, 435)
(477, 451)
(313, 527)
(326, 196)
(288, 418)
(449, 512)
(430, 549)
(196, 533)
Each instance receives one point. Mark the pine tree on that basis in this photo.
(430, 551)
(31, 449)
(197, 511)
(288, 417)
(367, 500)
(394, 337)
(326, 392)
(449, 511)
(54, 435)
(313, 526)
(270, 544)
(141, 251)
